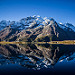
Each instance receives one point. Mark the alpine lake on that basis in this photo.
(37, 59)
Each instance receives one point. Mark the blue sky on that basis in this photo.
(61, 10)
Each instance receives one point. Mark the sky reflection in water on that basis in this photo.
(53, 59)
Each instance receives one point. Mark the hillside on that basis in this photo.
(36, 28)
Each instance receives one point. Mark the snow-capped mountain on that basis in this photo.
(35, 27)
(67, 26)
(32, 21)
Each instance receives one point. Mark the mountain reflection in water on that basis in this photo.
(35, 56)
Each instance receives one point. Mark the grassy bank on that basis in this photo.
(14, 42)
(52, 42)
(58, 42)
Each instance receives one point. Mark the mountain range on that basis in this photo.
(36, 28)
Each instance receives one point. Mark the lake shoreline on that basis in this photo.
(52, 42)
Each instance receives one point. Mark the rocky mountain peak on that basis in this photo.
(36, 28)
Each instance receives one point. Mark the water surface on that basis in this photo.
(37, 59)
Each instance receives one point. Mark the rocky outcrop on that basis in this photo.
(54, 33)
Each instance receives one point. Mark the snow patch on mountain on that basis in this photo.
(67, 26)
(34, 21)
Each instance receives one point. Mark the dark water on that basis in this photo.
(37, 59)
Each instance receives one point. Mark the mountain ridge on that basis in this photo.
(36, 28)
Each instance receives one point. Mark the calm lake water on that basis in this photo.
(37, 59)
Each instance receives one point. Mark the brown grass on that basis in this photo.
(52, 42)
